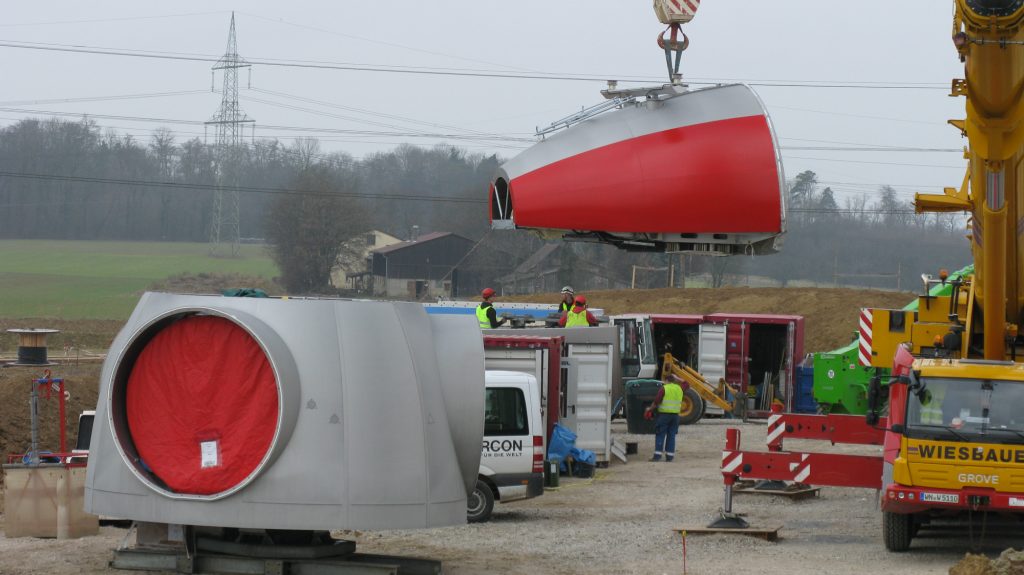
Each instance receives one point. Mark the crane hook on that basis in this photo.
(673, 46)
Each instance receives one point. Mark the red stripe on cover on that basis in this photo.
(716, 177)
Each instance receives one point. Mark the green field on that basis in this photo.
(103, 280)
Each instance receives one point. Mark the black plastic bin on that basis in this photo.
(639, 394)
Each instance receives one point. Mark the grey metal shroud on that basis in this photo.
(380, 418)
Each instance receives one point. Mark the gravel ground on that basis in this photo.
(622, 521)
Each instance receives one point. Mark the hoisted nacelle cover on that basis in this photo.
(698, 172)
(288, 414)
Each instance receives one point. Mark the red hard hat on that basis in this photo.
(488, 292)
(580, 300)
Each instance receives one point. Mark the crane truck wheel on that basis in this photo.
(897, 530)
(480, 503)
(693, 407)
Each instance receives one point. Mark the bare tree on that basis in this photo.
(307, 230)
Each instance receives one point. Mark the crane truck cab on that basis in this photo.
(512, 454)
(955, 445)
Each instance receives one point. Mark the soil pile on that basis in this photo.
(82, 385)
(831, 315)
(1009, 562)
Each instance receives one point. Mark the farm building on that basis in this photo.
(352, 270)
(422, 268)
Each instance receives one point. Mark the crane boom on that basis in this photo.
(989, 37)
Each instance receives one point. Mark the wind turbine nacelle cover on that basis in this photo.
(288, 414)
(699, 169)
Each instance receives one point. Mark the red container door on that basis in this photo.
(737, 338)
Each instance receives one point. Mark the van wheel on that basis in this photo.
(480, 503)
(897, 530)
(693, 407)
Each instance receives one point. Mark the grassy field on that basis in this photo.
(103, 280)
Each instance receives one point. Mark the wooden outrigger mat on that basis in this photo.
(766, 533)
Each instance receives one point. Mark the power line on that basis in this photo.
(102, 98)
(98, 20)
(380, 42)
(877, 149)
(422, 70)
(874, 146)
(860, 116)
(379, 114)
(241, 189)
(878, 163)
(302, 129)
(416, 133)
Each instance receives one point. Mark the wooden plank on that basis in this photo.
(766, 533)
(793, 494)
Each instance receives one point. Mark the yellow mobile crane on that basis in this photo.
(954, 434)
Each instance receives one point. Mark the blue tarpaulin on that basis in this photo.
(563, 441)
(563, 446)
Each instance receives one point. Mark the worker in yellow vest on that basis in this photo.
(578, 316)
(667, 404)
(568, 298)
(485, 313)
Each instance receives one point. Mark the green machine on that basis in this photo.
(841, 383)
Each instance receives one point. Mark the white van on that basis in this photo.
(512, 456)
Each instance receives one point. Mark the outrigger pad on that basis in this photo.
(729, 521)
(771, 485)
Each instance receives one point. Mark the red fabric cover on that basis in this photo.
(202, 379)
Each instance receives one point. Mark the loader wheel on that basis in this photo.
(480, 503)
(693, 407)
(897, 531)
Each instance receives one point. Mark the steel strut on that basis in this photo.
(728, 519)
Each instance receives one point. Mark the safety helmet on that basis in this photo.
(568, 290)
(580, 300)
(488, 292)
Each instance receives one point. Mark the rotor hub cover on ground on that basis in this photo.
(288, 414)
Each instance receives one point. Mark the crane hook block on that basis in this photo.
(676, 11)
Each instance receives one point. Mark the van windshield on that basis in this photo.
(966, 409)
(505, 412)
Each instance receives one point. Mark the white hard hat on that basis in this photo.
(567, 289)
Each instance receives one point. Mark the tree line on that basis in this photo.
(64, 179)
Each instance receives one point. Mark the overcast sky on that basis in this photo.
(878, 42)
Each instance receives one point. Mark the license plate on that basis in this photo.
(941, 497)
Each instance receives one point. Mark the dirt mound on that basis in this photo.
(831, 314)
(1010, 562)
(80, 381)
